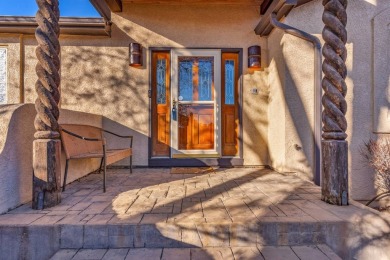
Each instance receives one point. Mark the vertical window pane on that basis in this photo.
(229, 82)
(161, 81)
(205, 80)
(3, 75)
(185, 80)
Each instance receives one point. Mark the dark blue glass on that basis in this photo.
(205, 80)
(229, 82)
(185, 80)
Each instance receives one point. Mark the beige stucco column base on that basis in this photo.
(47, 173)
(335, 172)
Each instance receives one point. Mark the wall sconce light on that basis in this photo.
(254, 57)
(135, 55)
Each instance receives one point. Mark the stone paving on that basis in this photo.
(228, 208)
(320, 252)
(150, 196)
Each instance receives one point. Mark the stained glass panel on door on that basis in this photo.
(205, 79)
(229, 82)
(161, 88)
(185, 80)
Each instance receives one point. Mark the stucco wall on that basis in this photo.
(291, 107)
(15, 155)
(292, 59)
(16, 141)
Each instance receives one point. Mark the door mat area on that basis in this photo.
(191, 170)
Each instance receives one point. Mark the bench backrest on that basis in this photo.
(76, 146)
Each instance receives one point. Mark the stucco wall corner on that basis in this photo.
(17, 135)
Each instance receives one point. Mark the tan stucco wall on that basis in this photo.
(291, 68)
(291, 106)
(15, 155)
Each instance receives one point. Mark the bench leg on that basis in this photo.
(66, 174)
(101, 164)
(104, 172)
(131, 164)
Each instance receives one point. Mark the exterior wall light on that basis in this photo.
(254, 57)
(135, 55)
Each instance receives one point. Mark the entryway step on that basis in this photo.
(187, 235)
(317, 252)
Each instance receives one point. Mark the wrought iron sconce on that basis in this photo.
(135, 55)
(254, 57)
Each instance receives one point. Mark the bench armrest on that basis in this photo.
(81, 137)
(121, 136)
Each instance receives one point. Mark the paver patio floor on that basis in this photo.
(153, 195)
(225, 208)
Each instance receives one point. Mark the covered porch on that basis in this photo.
(243, 208)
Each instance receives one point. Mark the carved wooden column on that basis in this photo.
(334, 146)
(47, 146)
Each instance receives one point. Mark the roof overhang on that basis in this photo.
(68, 26)
(114, 5)
(102, 8)
(281, 8)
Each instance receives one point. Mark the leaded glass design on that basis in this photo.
(3, 75)
(161, 81)
(205, 80)
(229, 82)
(185, 80)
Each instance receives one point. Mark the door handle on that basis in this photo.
(174, 110)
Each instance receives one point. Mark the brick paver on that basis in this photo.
(225, 214)
(154, 195)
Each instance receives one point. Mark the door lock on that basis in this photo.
(174, 110)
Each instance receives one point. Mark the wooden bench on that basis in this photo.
(83, 141)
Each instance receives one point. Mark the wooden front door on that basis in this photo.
(195, 104)
(195, 89)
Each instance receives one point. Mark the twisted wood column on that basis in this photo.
(334, 146)
(46, 156)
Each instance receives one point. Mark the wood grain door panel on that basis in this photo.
(160, 105)
(196, 127)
